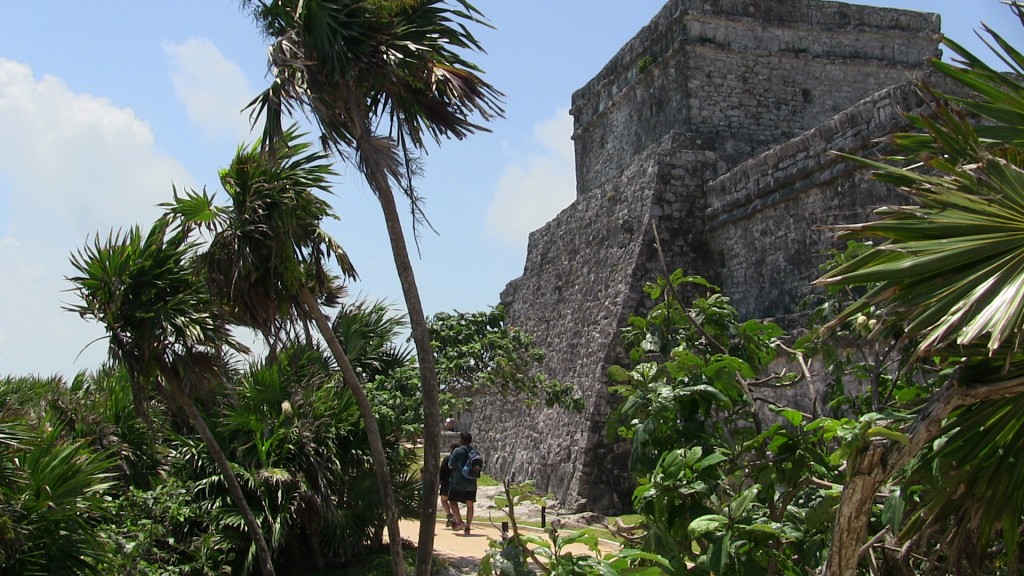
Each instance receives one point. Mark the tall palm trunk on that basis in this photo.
(380, 462)
(377, 175)
(197, 421)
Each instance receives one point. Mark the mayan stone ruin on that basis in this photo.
(715, 123)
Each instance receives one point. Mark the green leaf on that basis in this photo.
(740, 503)
(705, 524)
(711, 460)
(617, 373)
(882, 432)
(763, 528)
(621, 562)
(794, 417)
(892, 510)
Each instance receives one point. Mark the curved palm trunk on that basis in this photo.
(377, 177)
(374, 164)
(380, 462)
(854, 514)
(197, 421)
(880, 461)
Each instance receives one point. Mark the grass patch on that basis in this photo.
(629, 519)
(417, 463)
(484, 481)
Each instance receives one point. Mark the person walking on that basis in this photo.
(463, 488)
(445, 476)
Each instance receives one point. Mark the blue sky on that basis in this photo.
(105, 104)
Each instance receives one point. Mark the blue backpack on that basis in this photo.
(474, 464)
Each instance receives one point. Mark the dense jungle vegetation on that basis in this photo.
(188, 454)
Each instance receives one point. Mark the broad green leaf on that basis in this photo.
(765, 529)
(794, 417)
(883, 432)
(892, 510)
(705, 524)
(711, 460)
(617, 373)
(741, 502)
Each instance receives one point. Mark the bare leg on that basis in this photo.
(469, 513)
(456, 515)
(448, 521)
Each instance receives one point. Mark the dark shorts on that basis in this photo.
(462, 495)
(444, 489)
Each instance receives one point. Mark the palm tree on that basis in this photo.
(369, 331)
(300, 441)
(356, 64)
(52, 501)
(267, 261)
(162, 328)
(949, 276)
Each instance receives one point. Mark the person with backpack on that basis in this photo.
(466, 464)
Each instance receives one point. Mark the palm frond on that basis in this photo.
(981, 446)
(270, 244)
(142, 289)
(354, 64)
(950, 270)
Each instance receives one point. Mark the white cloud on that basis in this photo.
(71, 165)
(212, 88)
(531, 192)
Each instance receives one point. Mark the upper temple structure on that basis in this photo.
(713, 127)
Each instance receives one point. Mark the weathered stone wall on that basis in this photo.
(584, 272)
(739, 76)
(767, 218)
(723, 145)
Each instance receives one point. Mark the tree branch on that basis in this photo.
(672, 289)
(942, 403)
(869, 469)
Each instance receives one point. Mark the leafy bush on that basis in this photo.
(725, 487)
(53, 501)
(167, 531)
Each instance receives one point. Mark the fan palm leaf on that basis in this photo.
(950, 268)
(401, 58)
(948, 274)
(368, 331)
(56, 500)
(981, 446)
